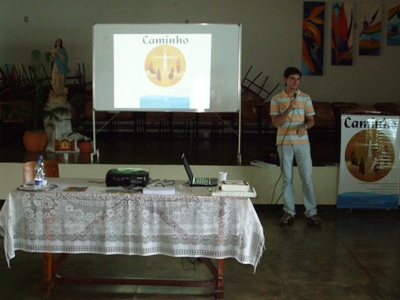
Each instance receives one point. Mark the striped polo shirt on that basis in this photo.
(287, 131)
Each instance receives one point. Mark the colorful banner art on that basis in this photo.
(393, 25)
(370, 24)
(313, 38)
(369, 162)
(342, 34)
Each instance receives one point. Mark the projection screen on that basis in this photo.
(167, 67)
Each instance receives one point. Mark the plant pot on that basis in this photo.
(35, 141)
(85, 146)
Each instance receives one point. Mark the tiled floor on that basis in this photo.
(353, 255)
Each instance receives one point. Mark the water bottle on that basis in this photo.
(44, 182)
(38, 163)
(39, 178)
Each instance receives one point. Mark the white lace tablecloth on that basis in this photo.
(191, 223)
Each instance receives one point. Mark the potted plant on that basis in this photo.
(35, 111)
(79, 101)
(85, 144)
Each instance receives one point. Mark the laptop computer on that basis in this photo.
(197, 181)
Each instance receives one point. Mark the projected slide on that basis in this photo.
(167, 67)
(162, 71)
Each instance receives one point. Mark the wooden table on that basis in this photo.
(84, 216)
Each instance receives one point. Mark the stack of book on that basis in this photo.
(158, 190)
(235, 188)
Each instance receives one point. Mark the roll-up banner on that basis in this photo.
(369, 162)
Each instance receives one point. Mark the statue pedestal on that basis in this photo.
(58, 132)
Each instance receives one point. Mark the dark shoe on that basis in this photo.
(286, 219)
(314, 220)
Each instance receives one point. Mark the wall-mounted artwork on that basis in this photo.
(313, 38)
(342, 34)
(393, 25)
(370, 24)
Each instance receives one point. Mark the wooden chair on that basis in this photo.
(185, 121)
(158, 121)
(387, 108)
(249, 117)
(325, 121)
(102, 118)
(211, 122)
(265, 118)
(123, 120)
(50, 169)
(340, 108)
(249, 97)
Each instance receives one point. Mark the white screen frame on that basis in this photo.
(225, 70)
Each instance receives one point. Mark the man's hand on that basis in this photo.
(301, 131)
(292, 103)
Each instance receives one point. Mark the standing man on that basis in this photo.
(292, 113)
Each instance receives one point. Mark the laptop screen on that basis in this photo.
(187, 167)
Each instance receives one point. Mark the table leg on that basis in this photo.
(48, 281)
(51, 266)
(220, 279)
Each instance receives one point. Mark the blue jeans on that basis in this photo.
(302, 154)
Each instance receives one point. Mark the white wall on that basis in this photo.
(263, 180)
(272, 32)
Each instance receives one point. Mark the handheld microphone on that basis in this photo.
(294, 96)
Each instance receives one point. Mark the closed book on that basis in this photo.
(235, 186)
(249, 194)
(159, 190)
